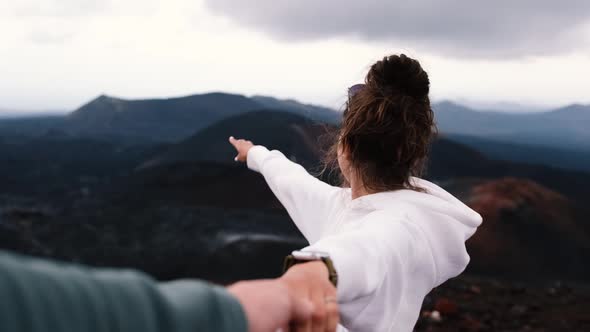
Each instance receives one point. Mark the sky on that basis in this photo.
(59, 54)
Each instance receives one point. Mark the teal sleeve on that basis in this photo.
(38, 295)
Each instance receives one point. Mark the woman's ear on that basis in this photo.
(344, 161)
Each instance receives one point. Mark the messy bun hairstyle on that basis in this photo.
(387, 126)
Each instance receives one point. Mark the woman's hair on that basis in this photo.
(387, 126)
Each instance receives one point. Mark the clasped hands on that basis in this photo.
(302, 300)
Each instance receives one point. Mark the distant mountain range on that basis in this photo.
(29, 126)
(560, 128)
(558, 138)
(19, 114)
(561, 157)
(173, 119)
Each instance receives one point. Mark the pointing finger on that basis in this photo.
(234, 142)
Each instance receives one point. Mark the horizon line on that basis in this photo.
(478, 106)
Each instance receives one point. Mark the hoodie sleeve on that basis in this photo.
(39, 295)
(306, 198)
(377, 253)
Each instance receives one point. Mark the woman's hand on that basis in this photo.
(312, 280)
(242, 146)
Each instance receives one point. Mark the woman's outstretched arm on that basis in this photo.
(306, 198)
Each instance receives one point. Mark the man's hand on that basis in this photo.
(242, 146)
(312, 280)
(270, 306)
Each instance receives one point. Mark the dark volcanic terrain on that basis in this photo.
(119, 183)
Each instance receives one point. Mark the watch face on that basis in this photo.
(310, 255)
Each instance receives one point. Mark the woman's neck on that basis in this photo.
(357, 189)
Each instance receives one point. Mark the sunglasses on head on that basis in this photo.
(353, 90)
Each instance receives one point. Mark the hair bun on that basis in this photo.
(397, 74)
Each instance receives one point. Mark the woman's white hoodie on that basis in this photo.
(389, 249)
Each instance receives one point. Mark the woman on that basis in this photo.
(392, 236)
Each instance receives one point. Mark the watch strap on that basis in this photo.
(291, 260)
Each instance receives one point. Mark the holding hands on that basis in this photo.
(311, 280)
(302, 300)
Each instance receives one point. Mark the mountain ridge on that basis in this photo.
(562, 127)
(173, 119)
(176, 118)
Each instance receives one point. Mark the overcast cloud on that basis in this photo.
(453, 27)
(58, 54)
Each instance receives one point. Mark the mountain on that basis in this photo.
(531, 154)
(154, 119)
(561, 128)
(173, 119)
(315, 113)
(452, 162)
(295, 135)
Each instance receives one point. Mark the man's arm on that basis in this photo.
(38, 295)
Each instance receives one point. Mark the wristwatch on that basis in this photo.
(298, 257)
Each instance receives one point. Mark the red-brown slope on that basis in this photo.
(527, 230)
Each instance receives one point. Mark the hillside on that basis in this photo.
(525, 229)
(296, 136)
(315, 113)
(54, 165)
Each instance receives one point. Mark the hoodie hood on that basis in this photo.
(445, 221)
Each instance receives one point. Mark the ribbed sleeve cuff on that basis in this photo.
(346, 276)
(256, 156)
(199, 306)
